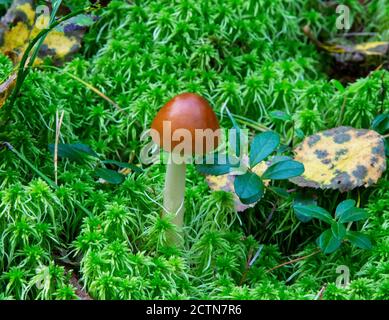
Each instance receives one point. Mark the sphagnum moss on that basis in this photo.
(138, 54)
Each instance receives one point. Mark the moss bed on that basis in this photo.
(252, 55)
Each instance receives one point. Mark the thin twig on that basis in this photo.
(270, 216)
(250, 262)
(319, 295)
(386, 136)
(87, 85)
(353, 34)
(244, 275)
(80, 291)
(58, 124)
(294, 260)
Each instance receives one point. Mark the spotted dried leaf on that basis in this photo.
(226, 183)
(20, 24)
(351, 52)
(341, 158)
(379, 48)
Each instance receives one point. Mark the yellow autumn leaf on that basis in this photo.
(21, 24)
(373, 48)
(379, 48)
(367, 48)
(341, 158)
(18, 26)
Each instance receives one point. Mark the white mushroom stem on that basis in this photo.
(174, 193)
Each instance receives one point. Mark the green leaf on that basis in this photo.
(276, 159)
(252, 199)
(312, 211)
(74, 151)
(262, 146)
(344, 206)
(280, 115)
(85, 148)
(353, 214)
(359, 240)
(124, 165)
(249, 187)
(110, 176)
(304, 199)
(338, 85)
(84, 20)
(301, 215)
(381, 123)
(300, 133)
(284, 170)
(5, 2)
(338, 230)
(81, 20)
(280, 192)
(216, 169)
(301, 199)
(327, 242)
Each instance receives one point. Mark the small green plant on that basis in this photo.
(248, 185)
(345, 213)
(79, 151)
(253, 55)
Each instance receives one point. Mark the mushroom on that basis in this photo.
(185, 126)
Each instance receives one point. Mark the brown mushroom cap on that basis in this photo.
(187, 111)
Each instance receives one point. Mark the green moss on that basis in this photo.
(140, 54)
(6, 67)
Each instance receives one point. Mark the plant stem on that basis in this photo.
(247, 122)
(55, 8)
(174, 193)
(58, 122)
(87, 85)
(319, 296)
(50, 182)
(293, 261)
